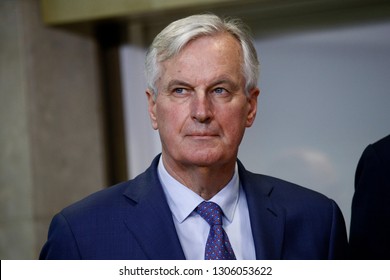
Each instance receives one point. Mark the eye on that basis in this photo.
(220, 91)
(180, 91)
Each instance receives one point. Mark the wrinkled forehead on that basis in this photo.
(176, 48)
(205, 61)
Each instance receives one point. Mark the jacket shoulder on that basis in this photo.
(282, 191)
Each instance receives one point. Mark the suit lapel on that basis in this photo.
(267, 218)
(150, 219)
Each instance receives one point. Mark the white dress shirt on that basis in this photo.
(193, 230)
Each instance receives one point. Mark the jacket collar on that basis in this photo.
(150, 220)
(267, 218)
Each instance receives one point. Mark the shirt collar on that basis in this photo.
(182, 201)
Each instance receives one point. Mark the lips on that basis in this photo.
(202, 135)
(202, 132)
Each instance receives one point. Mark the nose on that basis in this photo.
(201, 107)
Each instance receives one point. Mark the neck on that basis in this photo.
(206, 181)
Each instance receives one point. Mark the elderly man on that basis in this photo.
(196, 200)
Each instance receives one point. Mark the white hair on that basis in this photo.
(172, 39)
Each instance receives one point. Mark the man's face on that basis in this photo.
(201, 110)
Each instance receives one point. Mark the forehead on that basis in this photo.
(217, 44)
(206, 56)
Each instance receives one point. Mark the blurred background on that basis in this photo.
(73, 116)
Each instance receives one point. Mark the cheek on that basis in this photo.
(168, 119)
(234, 122)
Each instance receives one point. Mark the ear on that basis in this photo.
(252, 103)
(152, 108)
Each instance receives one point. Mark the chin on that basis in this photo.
(205, 159)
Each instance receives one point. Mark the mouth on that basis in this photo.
(203, 136)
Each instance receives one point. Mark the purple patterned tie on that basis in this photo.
(217, 246)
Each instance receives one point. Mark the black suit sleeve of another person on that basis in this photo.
(370, 220)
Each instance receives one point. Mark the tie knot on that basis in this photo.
(211, 212)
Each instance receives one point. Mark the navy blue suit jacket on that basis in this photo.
(132, 220)
(370, 220)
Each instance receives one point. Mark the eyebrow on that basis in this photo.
(221, 80)
(176, 82)
(232, 84)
